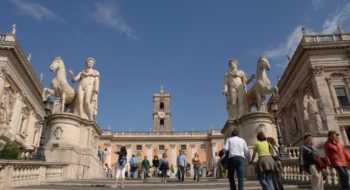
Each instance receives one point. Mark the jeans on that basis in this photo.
(181, 173)
(145, 173)
(156, 171)
(265, 179)
(196, 173)
(277, 180)
(344, 177)
(236, 163)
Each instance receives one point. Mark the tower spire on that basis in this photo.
(161, 89)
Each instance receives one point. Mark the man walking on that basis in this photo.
(133, 166)
(215, 165)
(181, 161)
(237, 151)
(145, 166)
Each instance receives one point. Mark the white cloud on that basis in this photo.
(339, 16)
(330, 26)
(288, 46)
(281, 65)
(318, 4)
(35, 10)
(108, 14)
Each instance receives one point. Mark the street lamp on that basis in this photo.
(274, 109)
(40, 150)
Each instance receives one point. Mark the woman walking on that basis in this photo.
(307, 162)
(338, 157)
(277, 174)
(196, 167)
(122, 160)
(155, 164)
(265, 165)
(164, 166)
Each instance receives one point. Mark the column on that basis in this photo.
(213, 150)
(192, 146)
(149, 152)
(344, 135)
(173, 155)
(128, 150)
(2, 79)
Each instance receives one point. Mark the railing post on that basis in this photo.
(42, 174)
(7, 177)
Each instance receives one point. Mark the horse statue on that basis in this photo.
(257, 93)
(59, 85)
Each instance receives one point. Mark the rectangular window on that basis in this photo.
(138, 147)
(161, 147)
(183, 147)
(203, 146)
(342, 96)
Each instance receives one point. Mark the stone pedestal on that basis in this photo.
(250, 124)
(74, 140)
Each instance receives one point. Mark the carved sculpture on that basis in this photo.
(261, 87)
(235, 90)
(7, 102)
(60, 88)
(87, 91)
(311, 112)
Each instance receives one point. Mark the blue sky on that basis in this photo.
(182, 44)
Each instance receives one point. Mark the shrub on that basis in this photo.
(10, 151)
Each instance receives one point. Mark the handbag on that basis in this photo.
(274, 152)
(320, 162)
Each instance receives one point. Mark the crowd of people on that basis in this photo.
(232, 160)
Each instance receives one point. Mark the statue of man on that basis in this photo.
(235, 90)
(311, 112)
(87, 91)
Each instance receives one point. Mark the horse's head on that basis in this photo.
(263, 63)
(56, 64)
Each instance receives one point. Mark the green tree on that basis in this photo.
(10, 151)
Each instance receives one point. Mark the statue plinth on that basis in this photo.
(250, 124)
(74, 140)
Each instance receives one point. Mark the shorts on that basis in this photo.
(120, 171)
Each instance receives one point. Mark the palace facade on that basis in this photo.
(162, 139)
(315, 88)
(21, 108)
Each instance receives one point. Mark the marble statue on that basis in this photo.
(262, 87)
(7, 102)
(87, 91)
(235, 90)
(60, 88)
(311, 112)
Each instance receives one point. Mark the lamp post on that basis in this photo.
(281, 147)
(40, 150)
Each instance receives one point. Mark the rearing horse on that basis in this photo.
(262, 87)
(59, 85)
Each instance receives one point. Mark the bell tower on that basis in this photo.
(161, 111)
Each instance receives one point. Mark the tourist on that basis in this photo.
(155, 164)
(133, 166)
(181, 161)
(215, 165)
(164, 167)
(277, 174)
(196, 167)
(237, 151)
(337, 156)
(122, 160)
(145, 165)
(307, 162)
(265, 165)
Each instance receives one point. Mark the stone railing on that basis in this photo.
(24, 173)
(151, 133)
(292, 174)
(326, 38)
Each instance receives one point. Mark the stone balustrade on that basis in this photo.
(24, 173)
(326, 38)
(292, 174)
(152, 133)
